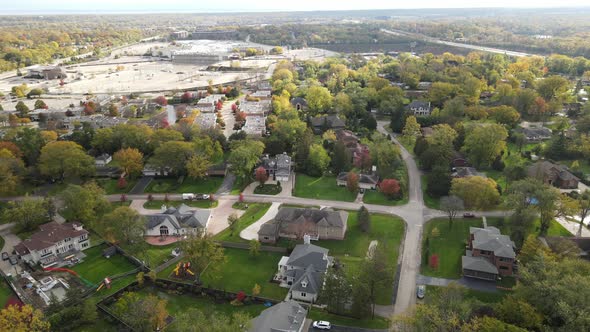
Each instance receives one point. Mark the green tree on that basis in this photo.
(376, 273)
(505, 115)
(173, 154)
(476, 192)
(22, 109)
(63, 159)
(411, 130)
(319, 99)
(318, 160)
(254, 247)
(232, 222)
(520, 313)
(438, 182)
(124, 225)
(83, 203)
(484, 143)
(197, 166)
(204, 254)
(552, 87)
(141, 313)
(244, 155)
(364, 219)
(28, 214)
(341, 158)
(336, 292)
(30, 142)
(39, 104)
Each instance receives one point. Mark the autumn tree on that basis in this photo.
(411, 130)
(319, 100)
(161, 100)
(261, 175)
(451, 205)
(197, 166)
(352, 182)
(476, 192)
(390, 188)
(204, 253)
(141, 313)
(484, 143)
(232, 222)
(40, 104)
(25, 318)
(63, 159)
(130, 161)
(364, 219)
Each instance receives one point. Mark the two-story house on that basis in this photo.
(419, 108)
(278, 167)
(52, 243)
(553, 174)
(303, 271)
(490, 254)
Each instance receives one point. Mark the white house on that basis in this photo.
(177, 221)
(102, 160)
(53, 242)
(303, 271)
(419, 108)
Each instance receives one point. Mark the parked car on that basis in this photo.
(13, 260)
(468, 215)
(188, 197)
(421, 291)
(202, 196)
(5, 256)
(322, 325)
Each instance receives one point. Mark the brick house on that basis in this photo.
(293, 223)
(553, 174)
(489, 254)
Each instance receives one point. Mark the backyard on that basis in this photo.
(368, 323)
(254, 212)
(485, 297)
(173, 185)
(450, 244)
(95, 267)
(321, 188)
(159, 254)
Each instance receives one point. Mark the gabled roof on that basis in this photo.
(292, 215)
(478, 264)
(490, 239)
(287, 316)
(363, 178)
(309, 281)
(48, 235)
(332, 121)
(415, 104)
(181, 217)
(298, 100)
(305, 255)
(544, 168)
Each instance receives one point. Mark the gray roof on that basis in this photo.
(332, 121)
(537, 133)
(298, 100)
(305, 255)
(363, 178)
(415, 104)
(181, 217)
(478, 264)
(287, 316)
(547, 168)
(490, 239)
(308, 280)
(325, 217)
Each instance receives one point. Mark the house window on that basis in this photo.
(266, 237)
(85, 245)
(82, 237)
(71, 245)
(68, 239)
(303, 294)
(163, 230)
(503, 268)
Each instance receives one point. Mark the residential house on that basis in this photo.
(553, 174)
(490, 254)
(300, 104)
(262, 94)
(255, 125)
(424, 85)
(572, 108)
(278, 167)
(352, 143)
(287, 316)
(464, 172)
(535, 134)
(46, 72)
(53, 243)
(322, 123)
(102, 160)
(366, 181)
(294, 223)
(206, 120)
(177, 221)
(419, 108)
(303, 271)
(150, 170)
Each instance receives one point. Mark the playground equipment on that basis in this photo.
(106, 282)
(183, 270)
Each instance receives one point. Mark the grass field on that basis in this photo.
(376, 197)
(160, 254)
(268, 189)
(321, 188)
(485, 297)
(5, 293)
(171, 185)
(450, 244)
(377, 323)
(204, 204)
(95, 267)
(429, 201)
(110, 186)
(254, 212)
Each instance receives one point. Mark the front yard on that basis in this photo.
(376, 197)
(110, 185)
(254, 212)
(450, 244)
(172, 185)
(268, 189)
(324, 188)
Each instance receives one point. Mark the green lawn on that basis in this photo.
(352, 250)
(254, 212)
(450, 245)
(160, 254)
(268, 189)
(115, 286)
(485, 297)
(110, 186)
(95, 267)
(368, 323)
(241, 271)
(376, 197)
(168, 185)
(239, 186)
(321, 188)
(5, 293)
(204, 204)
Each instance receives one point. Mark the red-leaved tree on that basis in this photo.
(352, 182)
(234, 107)
(240, 116)
(219, 105)
(390, 188)
(161, 100)
(121, 183)
(261, 175)
(433, 262)
(186, 97)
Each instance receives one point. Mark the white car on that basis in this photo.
(321, 325)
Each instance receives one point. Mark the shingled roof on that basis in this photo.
(287, 316)
(181, 217)
(48, 235)
(490, 239)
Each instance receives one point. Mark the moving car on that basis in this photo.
(468, 215)
(421, 291)
(322, 325)
(5, 256)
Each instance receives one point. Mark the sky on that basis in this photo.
(263, 5)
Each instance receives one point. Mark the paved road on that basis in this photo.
(454, 44)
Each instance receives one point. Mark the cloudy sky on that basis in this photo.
(263, 5)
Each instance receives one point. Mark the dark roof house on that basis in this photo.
(366, 181)
(323, 123)
(287, 316)
(296, 222)
(553, 174)
(490, 254)
(177, 221)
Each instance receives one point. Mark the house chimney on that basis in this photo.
(163, 208)
(306, 239)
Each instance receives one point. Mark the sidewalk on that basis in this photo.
(573, 227)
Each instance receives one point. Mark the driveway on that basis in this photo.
(10, 240)
(251, 232)
(226, 185)
(220, 214)
(141, 184)
(480, 285)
